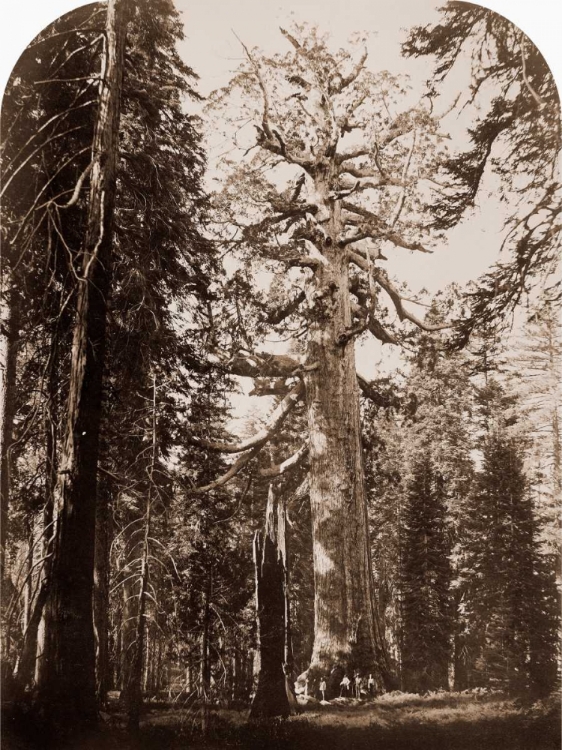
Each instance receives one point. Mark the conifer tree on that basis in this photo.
(303, 202)
(516, 135)
(160, 271)
(426, 578)
(509, 598)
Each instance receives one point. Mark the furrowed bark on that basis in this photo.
(67, 689)
(345, 636)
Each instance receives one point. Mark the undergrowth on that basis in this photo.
(394, 721)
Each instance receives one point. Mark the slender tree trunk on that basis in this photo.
(9, 340)
(557, 482)
(37, 636)
(233, 675)
(67, 689)
(460, 674)
(28, 588)
(205, 660)
(188, 674)
(158, 664)
(135, 674)
(101, 592)
(133, 689)
(130, 609)
(30, 661)
(283, 547)
(345, 636)
(26, 666)
(118, 652)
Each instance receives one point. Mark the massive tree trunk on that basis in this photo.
(67, 688)
(345, 634)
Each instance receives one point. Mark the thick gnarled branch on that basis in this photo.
(259, 365)
(278, 469)
(342, 83)
(235, 469)
(261, 437)
(383, 281)
(281, 313)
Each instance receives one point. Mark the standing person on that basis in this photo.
(358, 684)
(371, 685)
(345, 683)
(323, 687)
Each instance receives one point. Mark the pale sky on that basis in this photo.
(212, 49)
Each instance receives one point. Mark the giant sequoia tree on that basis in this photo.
(331, 179)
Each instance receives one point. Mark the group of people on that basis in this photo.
(348, 689)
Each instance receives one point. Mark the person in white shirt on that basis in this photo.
(358, 685)
(371, 685)
(323, 687)
(345, 683)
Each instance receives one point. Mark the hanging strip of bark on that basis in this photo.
(67, 689)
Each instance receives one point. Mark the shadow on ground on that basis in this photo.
(392, 722)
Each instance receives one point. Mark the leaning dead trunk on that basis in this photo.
(345, 634)
(274, 693)
(67, 687)
(26, 665)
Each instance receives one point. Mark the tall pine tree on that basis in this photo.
(509, 597)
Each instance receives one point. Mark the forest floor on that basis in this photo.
(446, 721)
